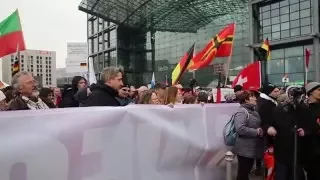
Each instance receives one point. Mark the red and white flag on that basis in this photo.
(307, 59)
(250, 77)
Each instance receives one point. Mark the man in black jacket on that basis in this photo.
(104, 93)
(286, 123)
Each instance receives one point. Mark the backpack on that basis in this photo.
(229, 130)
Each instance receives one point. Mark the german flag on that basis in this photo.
(264, 51)
(220, 45)
(16, 64)
(182, 66)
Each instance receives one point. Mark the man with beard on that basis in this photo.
(27, 93)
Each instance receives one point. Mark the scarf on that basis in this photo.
(34, 105)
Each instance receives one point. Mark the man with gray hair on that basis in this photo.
(27, 93)
(104, 93)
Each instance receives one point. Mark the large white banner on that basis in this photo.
(101, 143)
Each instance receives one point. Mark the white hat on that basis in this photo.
(2, 96)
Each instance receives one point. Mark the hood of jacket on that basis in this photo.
(266, 97)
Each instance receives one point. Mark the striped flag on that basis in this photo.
(219, 46)
(264, 51)
(182, 66)
(16, 64)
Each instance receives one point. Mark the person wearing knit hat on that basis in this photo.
(3, 103)
(313, 90)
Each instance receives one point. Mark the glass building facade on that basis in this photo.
(290, 25)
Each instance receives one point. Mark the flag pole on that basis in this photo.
(230, 56)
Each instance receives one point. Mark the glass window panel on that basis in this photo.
(95, 45)
(294, 64)
(294, 7)
(293, 1)
(306, 30)
(266, 29)
(295, 32)
(266, 22)
(294, 24)
(277, 54)
(284, 3)
(296, 78)
(294, 16)
(276, 79)
(305, 13)
(294, 51)
(266, 36)
(275, 12)
(285, 26)
(285, 34)
(266, 15)
(275, 66)
(275, 20)
(276, 35)
(95, 26)
(284, 18)
(90, 28)
(304, 4)
(266, 8)
(275, 5)
(305, 21)
(284, 10)
(275, 27)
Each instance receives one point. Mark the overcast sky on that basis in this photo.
(49, 24)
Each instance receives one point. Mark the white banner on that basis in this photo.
(105, 143)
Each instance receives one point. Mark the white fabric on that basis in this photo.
(35, 105)
(2, 96)
(136, 142)
(264, 96)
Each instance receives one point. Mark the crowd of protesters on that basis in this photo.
(24, 94)
(267, 119)
(284, 122)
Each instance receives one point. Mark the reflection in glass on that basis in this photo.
(306, 30)
(294, 51)
(294, 64)
(275, 66)
(276, 54)
(276, 79)
(284, 18)
(295, 32)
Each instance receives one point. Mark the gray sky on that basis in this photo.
(49, 24)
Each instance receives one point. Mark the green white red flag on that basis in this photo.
(11, 35)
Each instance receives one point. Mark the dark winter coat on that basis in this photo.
(103, 95)
(68, 99)
(284, 119)
(310, 144)
(265, 108)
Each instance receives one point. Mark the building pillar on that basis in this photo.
(251, 33)
(315, 14)
(153, 49)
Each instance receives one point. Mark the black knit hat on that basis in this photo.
(237, 88)
(268, 88)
